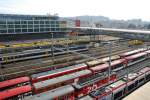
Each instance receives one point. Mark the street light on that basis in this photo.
(110, 54)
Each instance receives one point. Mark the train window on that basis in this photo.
(136, 83)
(139, 58)
(141, 80)
(148, 77)
(130, 87)
(117, 66)
(118, 95)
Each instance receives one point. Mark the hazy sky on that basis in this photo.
(115, 9)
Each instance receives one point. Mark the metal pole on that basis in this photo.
(109, 69)
(2, 77)
(52, 47)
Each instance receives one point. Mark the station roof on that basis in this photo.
(141, 93)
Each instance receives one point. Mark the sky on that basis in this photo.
(114, 9)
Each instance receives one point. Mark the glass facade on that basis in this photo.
(31, 25)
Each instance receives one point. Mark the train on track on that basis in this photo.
(80, 79)
(120, 88)
(38, 53)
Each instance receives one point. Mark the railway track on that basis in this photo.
(91, 50)
(34, 68)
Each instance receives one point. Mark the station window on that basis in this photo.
(17, 30)
(3, 31)
(17, 22)
(10, 26)
(23, 22)
(2, 26)
(17, 26)
(41, 29)
(36, 30)
(10, 22)
(10, 30)
(24, 26)
(41, 22)
(36, 26)
(36, 22)
(30, 30)
(2, 22)
(30, 22)
(30, 26)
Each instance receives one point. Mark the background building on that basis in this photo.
(11, 23)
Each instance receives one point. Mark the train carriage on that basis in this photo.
(101, 94)
(148, 53)
(146, 71)
(136, 58)
(16, 93)
(14, 83)
(118, 89)
(58, 72)
(115, 66)
(61, 93)
(132, 52)
(101, 61)
(60, 81)
(87, 87)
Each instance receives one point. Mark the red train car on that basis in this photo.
(136, 58)
(58, 72)
(132, 52)
(14, 82)
(60, 81)
(121, 87)
(16, 93)
(63, 93)
(84, 89)
(115, 66)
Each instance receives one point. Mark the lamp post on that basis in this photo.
(109, 68)
(52, 47)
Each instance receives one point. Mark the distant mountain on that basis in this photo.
(89, 18)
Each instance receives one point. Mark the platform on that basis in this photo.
(142, 93)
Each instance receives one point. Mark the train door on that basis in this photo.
(147, 76)
(117, 94)
(141, 79)
(130, 86)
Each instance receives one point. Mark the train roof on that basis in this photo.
(26, 52)
(131, 76)
(15, 91)
(132, 52)
(136, 55)
(43, 74)
(106, 65)
(112, 58)
(148, 51)
(14, 81)
(61, 79)
(49, 95)
(116, 84)
(102, 60)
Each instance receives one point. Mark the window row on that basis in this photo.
(34, 30)
(27, 26)
(31, 22)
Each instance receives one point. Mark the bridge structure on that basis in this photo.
(123, 33)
